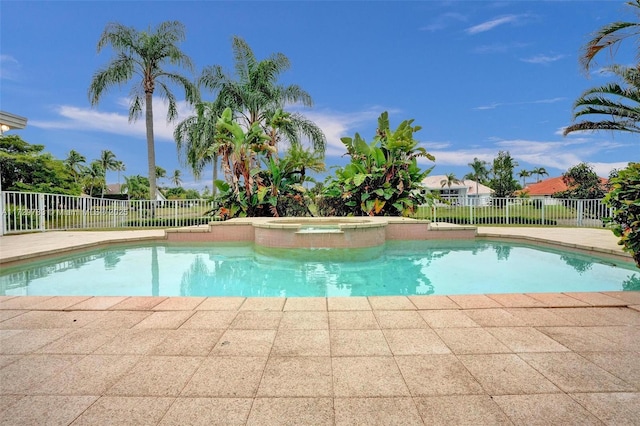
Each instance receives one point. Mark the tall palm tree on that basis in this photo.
(255, 96)
(176, 177)
(539, 171)
(94, 177)
(194, 138)
(144, 54)
(74, 162)
(618, 102)
(479, 173)
(610, 36)
(108, 162)
(120, 167)
(524, 174)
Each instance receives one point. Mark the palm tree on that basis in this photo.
(144, 54)
(610, 36)
(539, 171)
(108, 162)
(120, 167)
(449, 179)
(194, 138)
(160, 173)
(255, 96)
(74, 162)
(479, 173)
(94, 177)
(136, 187)
(524, 174)
(620, 103)
(176, 177)
(298, 160)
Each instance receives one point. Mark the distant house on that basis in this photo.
(113, 189)
(116, 189)
(546, 188)
(461, 193)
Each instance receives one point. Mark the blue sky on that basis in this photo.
(478, 76)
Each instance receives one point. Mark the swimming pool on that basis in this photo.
(239, 269)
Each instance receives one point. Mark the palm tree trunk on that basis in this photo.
(151, 152)
(214, 190)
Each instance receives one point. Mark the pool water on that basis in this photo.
(397, 268)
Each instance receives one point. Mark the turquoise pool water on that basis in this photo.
(398, 268)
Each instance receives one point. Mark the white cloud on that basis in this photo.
(542, 59)
(499, 47)
(72, 117)
(495, 105)
(489, 25)
(432, 145)
(560, 155)
(460, 157)
(336, 125)
(443, 21)
(605, 169)
(9, 67)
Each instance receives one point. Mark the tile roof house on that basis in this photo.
(546, 188)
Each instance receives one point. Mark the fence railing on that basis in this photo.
(519, 211)
(29, 212)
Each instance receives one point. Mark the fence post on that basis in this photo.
(580, 212)
(41, 212)
(2, 211)
(542, 211)
(83, 206)
(175, 213)
(506, 211)
(471, 221)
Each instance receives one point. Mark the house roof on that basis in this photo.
(11, 121)
(114, 188)
(435, 182)
(550, 186)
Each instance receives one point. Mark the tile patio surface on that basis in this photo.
(562, 358)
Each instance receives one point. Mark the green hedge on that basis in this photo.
(497, 220)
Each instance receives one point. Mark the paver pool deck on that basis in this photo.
(561, 358)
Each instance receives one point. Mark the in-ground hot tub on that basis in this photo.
(320, 233)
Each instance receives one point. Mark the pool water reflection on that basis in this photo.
(397, 268)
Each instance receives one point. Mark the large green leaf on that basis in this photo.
(222, 185)
(359, 179)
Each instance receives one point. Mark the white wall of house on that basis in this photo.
(461, 194)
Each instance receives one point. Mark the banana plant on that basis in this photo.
(383, 177)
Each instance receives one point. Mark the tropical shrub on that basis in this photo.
(383, 177)
(251, 190)
(624, 199)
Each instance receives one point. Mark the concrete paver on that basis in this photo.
(487, 359)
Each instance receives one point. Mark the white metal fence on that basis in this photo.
(29, 212)
(521, 211)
